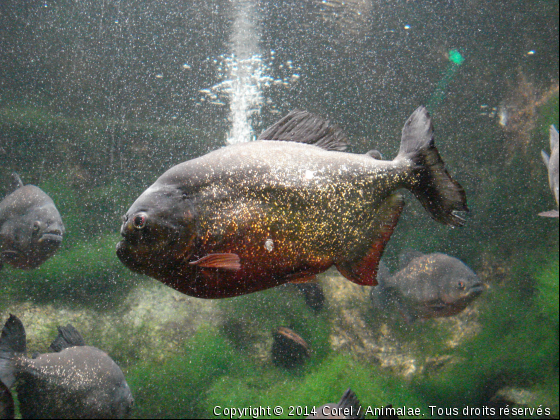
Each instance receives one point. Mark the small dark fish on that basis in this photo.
(75, 381)
(7, 409)
(288, 348)
(31, 228)
(348, 407)
(388, 413)
(312, 294)
(427, 286)
(255, 215)
(552, 164)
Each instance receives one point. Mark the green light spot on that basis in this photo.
(455, 57)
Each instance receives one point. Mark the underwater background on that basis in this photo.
(99, 98)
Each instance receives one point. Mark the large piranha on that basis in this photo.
(284, 208)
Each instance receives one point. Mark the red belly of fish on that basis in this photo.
(261, 268)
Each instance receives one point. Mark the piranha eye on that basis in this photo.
(139, 221)
(461, 285)
(36, 226)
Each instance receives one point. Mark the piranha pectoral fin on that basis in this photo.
(304, 279)
(226, 261)
(436, 305)
(364, 270)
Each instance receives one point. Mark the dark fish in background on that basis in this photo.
(255, 215)
(7, 409)
(31, 228)
(551, 163)
(312, 294)
(348, 407)
(288, 348)
(388, 413)
(75, 381)
(427, 286)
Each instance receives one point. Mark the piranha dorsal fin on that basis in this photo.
(67, 337)
(15, 183)
(553, 138)
(545, 158)
(364, 270)
(407, 256)
(304, 127)
(226, 261)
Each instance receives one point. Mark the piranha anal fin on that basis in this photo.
(7, 408)
(364, 270)
(67, 337)
(226, 261)
(304, 127)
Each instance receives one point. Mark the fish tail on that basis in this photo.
(430, 182)
(379, 294)
(349, 403)
(12, 341)
(7, 410)
(379, 300)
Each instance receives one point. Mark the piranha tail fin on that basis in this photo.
(349, 403)
(384, 297)
(12, 341)
(7, 409)
(432, 185)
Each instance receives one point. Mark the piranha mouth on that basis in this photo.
(50, 242)
(121, 245)
(51, 237)
(129, 256)
(477, 289)
(124, 253)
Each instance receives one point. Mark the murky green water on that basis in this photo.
(99, 98)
